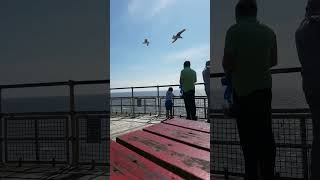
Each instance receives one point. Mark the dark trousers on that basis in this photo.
(190, 104)
(313, 99)
(315, 153)
(254, 121)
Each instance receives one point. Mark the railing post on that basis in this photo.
(5, 139)
(74, 126)
(67, 135)
(160, 104)
(145, 106)
(173, 106)
(36, 133)
(155, 105)
(132, 102)
(158, 96)
(121, 105)
(304, 148)
(205, 110)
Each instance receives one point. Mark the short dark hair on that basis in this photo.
(186, 64)
(246, 8)
(170, 89)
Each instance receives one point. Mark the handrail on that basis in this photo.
(272, 71)
(145, 87)
(61, 83)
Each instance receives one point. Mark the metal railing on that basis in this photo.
(134, 105)
(293, 136)
(55, 137)
(64, 137)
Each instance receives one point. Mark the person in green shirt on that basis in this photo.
(250, 51)
(188, 78)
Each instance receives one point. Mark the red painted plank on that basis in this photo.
(187, 136)
(132, 164)
(186, 161)
(189, 124)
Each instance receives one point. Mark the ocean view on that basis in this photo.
(281, 99)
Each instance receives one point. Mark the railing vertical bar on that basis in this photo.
(74, 126)
(173, 106)
(132, 102)
(304, 148)
(36, 134)
(5, 140)
(204, 108)
(155, 105)
(158, 96)
(160, 104)
(67, 135)
(120, 105)
(145, 106)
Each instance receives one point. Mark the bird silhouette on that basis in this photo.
(177, 36)
(146, 42)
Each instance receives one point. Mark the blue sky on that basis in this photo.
(134, 64)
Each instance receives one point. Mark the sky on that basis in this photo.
(131, 21)
(45, 41)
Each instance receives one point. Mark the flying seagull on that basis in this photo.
(177, 36)
(146, 42)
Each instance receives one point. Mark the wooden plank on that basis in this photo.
(132, 164)
(190, 137)
(189, 124)
(185, 161)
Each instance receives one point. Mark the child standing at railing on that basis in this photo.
(169, 102)
(226, 81)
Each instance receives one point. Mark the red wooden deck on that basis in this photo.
(193, 138)
(189, 124)
(126, 163)
(162, 151)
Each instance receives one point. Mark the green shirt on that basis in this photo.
(250, 44)
(188, 77)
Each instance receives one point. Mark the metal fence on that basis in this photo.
(135, 105)
(151, 105)
(71, 137)
(293, 136)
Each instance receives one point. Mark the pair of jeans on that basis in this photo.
(190, 104)
(254, 121)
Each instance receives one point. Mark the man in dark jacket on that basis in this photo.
(250, 51)
(308, 46)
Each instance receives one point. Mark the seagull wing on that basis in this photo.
(174, 40)
(179, 33)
